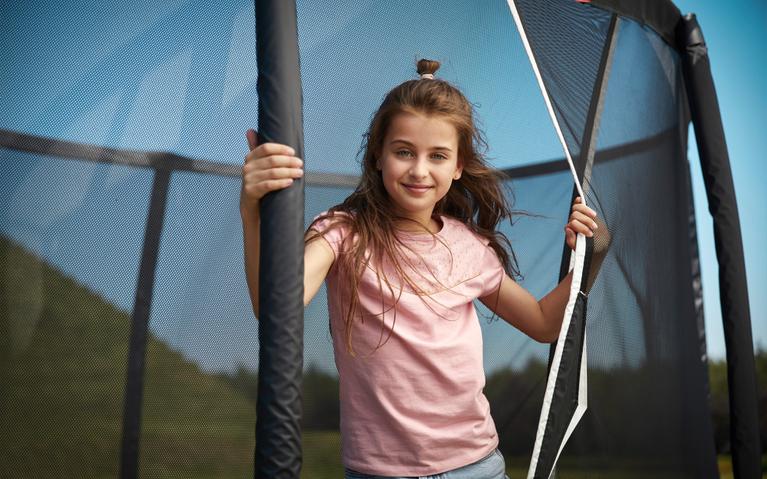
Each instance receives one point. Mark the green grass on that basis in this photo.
(582, 467)
(516, 467)
(63, 352)
(322, 455)
(725, 466)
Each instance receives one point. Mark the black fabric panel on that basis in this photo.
(584, 163)
(697, 284)
(698, 379)
(281, 329)
(661, 15)
(565, 398)
(733, 290)
(593, 119)
(134, 386)
(577, 110)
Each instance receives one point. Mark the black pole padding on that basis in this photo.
(281, 308)
(733, 290)
(134, 380)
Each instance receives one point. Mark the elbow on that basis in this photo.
(547, 337)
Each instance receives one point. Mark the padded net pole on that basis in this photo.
(281, 328)
(733, 290)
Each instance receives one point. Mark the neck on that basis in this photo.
(419, 225)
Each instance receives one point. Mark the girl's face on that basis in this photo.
(419, 161)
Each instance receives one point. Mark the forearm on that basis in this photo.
(251, 232)
(553, 304)
(553, 307)
(541, 320)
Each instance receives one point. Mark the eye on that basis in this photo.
(402, 153)
(439, 156)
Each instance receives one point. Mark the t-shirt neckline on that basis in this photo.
(423, 236)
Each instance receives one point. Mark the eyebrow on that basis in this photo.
(413, 146)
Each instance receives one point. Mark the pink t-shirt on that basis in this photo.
(415, 407)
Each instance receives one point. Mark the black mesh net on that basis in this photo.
(74, 230)
(569, 61)
(644, 350)
(65, 336)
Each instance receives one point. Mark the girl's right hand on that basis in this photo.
(268, 167)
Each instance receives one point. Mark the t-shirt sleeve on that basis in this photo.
(491, 271)
(333, 236)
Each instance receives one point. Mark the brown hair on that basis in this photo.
(476, 199)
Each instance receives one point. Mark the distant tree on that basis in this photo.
(761, 381)
(515, 397)
(243, 380)
(720, 402)
(320, 399)
(319, 393)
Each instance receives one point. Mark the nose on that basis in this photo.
(419, 169)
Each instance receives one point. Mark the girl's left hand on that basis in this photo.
(582, 220)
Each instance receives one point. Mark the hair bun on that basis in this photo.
(427, 67)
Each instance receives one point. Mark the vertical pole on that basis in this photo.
(134, 385)
(281, 308)
(733, 290)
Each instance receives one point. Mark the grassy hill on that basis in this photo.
(63, 352)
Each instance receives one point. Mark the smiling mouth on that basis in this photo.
(417, 188)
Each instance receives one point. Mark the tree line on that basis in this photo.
(631, 401)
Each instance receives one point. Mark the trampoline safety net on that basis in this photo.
(120, 224)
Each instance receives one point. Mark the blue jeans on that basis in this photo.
(492, 466)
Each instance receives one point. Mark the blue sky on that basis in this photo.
(111, 75)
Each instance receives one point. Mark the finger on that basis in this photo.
(579, 227)
(570, 238)
(267, 149)
(257, 190)
(272, 185)
(252, 137)
(583, 218)
(573, 228)
(254, 162)
(585, 209)
(274, 174)
(577, 200)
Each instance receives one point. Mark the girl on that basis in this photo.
(404, 256)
